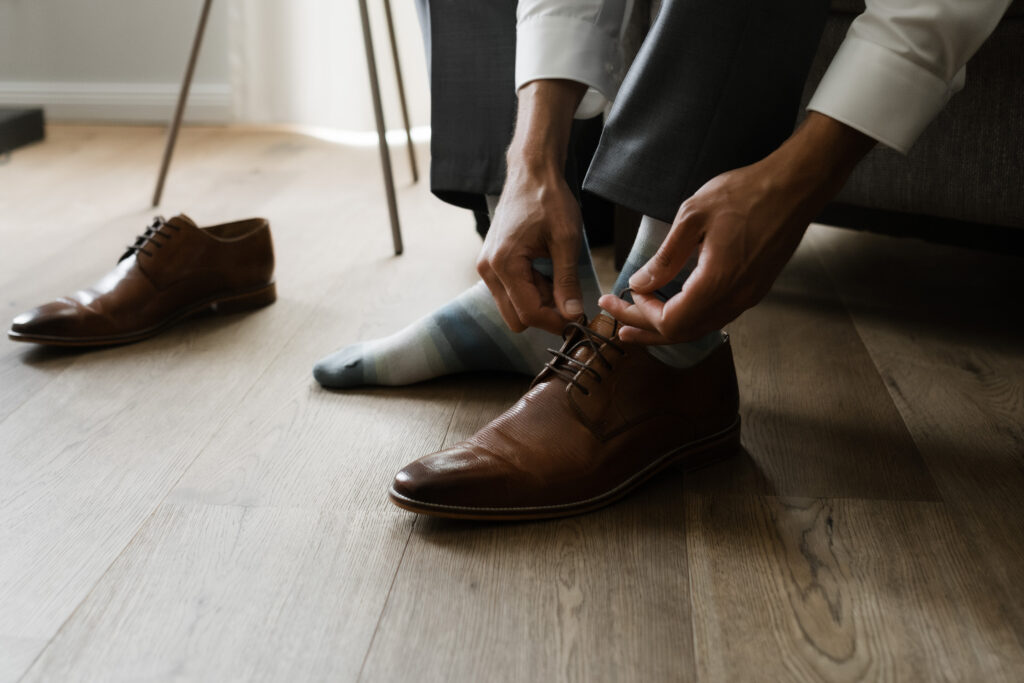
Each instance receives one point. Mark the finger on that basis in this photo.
(699, 306)
(614, 305)
(635, 335)
(630, 314)
(611, 303)
(497, 289)
(652, 309)
(671, 256)
(565, 277)
(517, 279)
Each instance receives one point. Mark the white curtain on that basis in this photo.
(302, 62)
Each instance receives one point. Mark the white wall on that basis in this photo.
(303, 61)
(111, 60)
(263, 61)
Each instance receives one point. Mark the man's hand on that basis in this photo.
(537, 216)
(745, 225)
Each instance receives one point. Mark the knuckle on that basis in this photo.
(483, 269)
(501, 259)
(662, 259)
(692, 215)
(688, 209)
(568, 280)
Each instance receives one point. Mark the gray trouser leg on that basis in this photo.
(473, 99)
(715, 86)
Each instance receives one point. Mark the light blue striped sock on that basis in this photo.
(652, 233)
(466, 335)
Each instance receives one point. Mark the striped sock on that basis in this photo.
(652, 233)
(466, 335)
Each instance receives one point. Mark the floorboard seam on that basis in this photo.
(25, 401)
(691, 593)
(401, 559)
(138, 530)
(99, 578)
(842, 301)
(387, 599)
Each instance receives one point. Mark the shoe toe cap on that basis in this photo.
(460, 477)
(56, 319)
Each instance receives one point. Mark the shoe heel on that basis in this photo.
(246, 302)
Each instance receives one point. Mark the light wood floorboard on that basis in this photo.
(194, 507)
(944, 327)
(817, 420)
(82, 476)
(839, 590)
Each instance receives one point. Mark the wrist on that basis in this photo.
(544, 118)
(819, 156)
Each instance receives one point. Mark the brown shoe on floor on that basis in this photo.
(175, 269)
(600, 419)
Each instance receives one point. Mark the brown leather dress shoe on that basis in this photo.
(600, 419)
(175, 269)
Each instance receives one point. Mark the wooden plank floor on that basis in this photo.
(194, 507)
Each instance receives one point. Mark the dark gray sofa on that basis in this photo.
(963, 181)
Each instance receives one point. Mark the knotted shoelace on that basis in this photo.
(153, 230)
(571, 369)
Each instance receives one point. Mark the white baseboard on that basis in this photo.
(119, 102)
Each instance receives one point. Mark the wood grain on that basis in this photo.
(82, 475)
(596, 598)
(209, 592)
(944, 328)
(195, 508)
(817, 419)
(17, 654)
(840, 590)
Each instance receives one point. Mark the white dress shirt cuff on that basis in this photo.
(880, 93)
(559, 47)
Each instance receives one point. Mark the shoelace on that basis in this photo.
(153, 230)
(571, 369)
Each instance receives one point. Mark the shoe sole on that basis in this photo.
(692, 456)
(236, 302)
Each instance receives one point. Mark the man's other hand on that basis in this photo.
(537, 216)
(745, 225)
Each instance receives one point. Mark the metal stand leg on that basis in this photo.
(378, 112)
(179, 111)
(401, 91)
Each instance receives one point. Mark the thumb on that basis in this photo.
(565, 278)
(670, 258)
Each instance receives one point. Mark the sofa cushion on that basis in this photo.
(968, 164)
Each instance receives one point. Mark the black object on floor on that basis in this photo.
(19, 127)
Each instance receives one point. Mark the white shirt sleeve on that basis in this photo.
(901, 62)
(575, 40)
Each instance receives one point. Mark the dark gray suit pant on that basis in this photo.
(716, 85)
